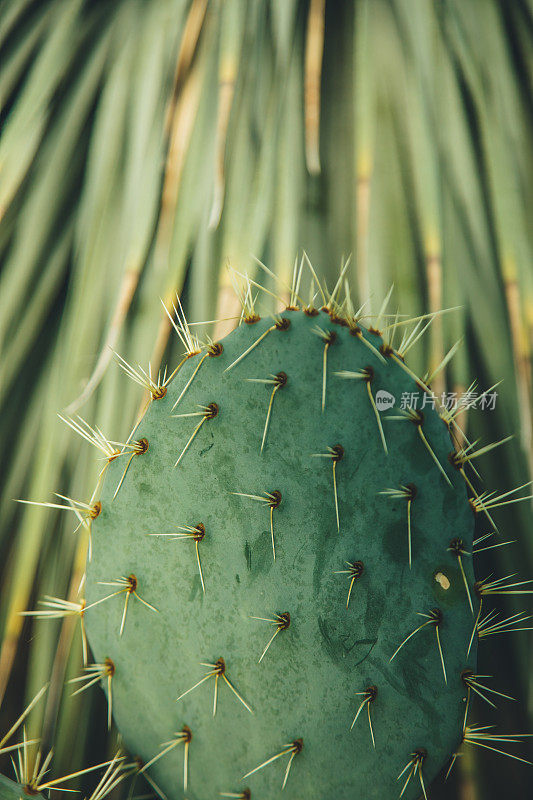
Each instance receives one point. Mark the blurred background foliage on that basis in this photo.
(144, 145)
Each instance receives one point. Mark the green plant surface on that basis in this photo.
(9, 790)
(307, 685)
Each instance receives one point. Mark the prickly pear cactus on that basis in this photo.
(276, 583)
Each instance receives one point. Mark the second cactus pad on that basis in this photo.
(275, 540)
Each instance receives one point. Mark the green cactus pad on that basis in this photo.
(328, 658)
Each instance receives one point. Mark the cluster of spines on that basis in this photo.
(31, 772)
(31, 769)
(459, 458)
